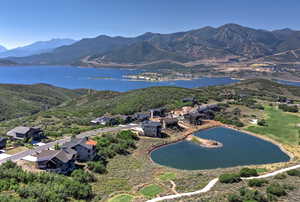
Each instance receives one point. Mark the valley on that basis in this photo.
(133, 175)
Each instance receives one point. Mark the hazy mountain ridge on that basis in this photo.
(36, 48)
(2, 49)
(230, 40)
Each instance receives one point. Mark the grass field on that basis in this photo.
(282, 127)
(121, 198)
(167, 176)
(151, 191)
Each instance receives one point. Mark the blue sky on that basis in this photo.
(25, 21)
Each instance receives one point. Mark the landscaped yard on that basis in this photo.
(151, 191)
(167, 176)
(281, 126)
(121, 198)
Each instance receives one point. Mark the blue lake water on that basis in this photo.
(291, 83)
(238, 149)
(76, 77)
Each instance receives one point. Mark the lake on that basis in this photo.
(238, 149)
(291, 83)
(93, 78)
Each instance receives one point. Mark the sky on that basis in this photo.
(25, 21)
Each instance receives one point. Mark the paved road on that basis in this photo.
(213, 182)
(21, 155)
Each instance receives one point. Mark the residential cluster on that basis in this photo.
(153, 123)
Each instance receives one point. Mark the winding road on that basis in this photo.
(213, 182)
(23, 154)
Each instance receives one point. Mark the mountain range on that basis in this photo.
(2, 49)
(227, 41)
(36, 48)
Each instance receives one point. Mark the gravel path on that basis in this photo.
(213, 182)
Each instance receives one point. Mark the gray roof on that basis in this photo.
(77, 141)
(161, 109)
(103, 119)
(188, 99)
(151, 123)
(141, 116)
(194, 114)
(170, 120)
(62, 155)
(2, 139)
(20, 130)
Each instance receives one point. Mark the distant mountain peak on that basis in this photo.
(2, 49)
(37, 48)
(204, 43)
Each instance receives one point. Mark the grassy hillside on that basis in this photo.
(280, 126)
(75, 114)
(21, 100)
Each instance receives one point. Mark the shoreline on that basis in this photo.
(280, 146)
(111, 66)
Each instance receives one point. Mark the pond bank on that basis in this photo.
(235, 149)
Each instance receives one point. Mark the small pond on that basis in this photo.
(238, 149)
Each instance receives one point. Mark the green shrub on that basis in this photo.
(280, 176)
(276, 189)
(82, 176)
(234, 198)
(96, 166)
(287, 108)
(262, 122)
(293, 173)
(229, 178)
(248, 172)
(247, 195)
(257, 182)
(288, 187)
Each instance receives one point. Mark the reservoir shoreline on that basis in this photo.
(289, 154)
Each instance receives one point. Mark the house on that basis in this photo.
(58, 161)
(124, 119)
(158, 112)
(85, 148)
(105, 120)
(194, 118)
(169, 123)
(2, 142)
(152, 129)
(205, 108)
(208, 111)
(189, 100)
(25, 133)
(282, 99)
(140, 117)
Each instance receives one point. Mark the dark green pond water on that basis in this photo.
(238, 149)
